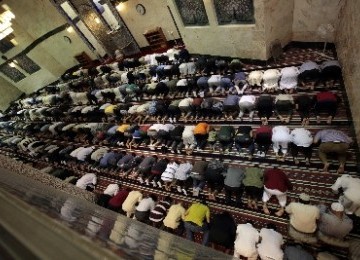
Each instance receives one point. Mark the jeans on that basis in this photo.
(192, 228)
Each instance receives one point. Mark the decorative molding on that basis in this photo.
(192, 12)
(234, 11)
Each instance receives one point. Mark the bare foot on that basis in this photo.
(341, 169)
(266, 210)
(329, 120)
(326, 167)
(255, 206)
(280, 212)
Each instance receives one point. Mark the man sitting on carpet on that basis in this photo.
(303, 219)
(334, 225)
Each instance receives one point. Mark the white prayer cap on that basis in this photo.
(336, 206)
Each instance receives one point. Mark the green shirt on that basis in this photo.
(253, 177)
(212, 136)
(198, 213)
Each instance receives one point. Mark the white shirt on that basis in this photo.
(329, 63)
(350, 185)
(132, 109)
(247, 98)
(255, 77)
(85, 180)
(289, 77)
(246, 238)
(83, 153)
(214, 81)
(155, 127)
(271, 79)
(309, 65)
(270, 246)
(75, 152)
(183, 68)
(146, 204)
(188, 135)
(281, 134)
(301, 137)
(185, 102)
(169, 173)
(99, 153)
(167, 127)
(182, 82)
(111, 189)
(183, 171)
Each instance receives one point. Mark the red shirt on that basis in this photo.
(326, 96)
(264, 130)
(275, 179)
(118, 199)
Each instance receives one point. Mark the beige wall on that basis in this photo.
(310, 14)
(278, 27)
(157, 14)
(348, 49)
(246, 41)
(8, 93)
(54, 55)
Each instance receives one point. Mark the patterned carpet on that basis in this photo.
(309, 179)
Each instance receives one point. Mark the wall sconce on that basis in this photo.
(14, 42)
(120, 7)
(70, 29)
(12, 64)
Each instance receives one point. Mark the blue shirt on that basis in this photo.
(231, 100)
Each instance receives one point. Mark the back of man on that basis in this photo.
(175, 214)
(246, 239)
(303, 217)
(197, 213)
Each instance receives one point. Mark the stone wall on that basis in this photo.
(310, 14)
(8, 94)
(278, 27)
(54, 55)
(348, 48)
(234, 40)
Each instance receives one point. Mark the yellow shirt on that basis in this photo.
(123, 128)
(175, 214)
(197, 214)
(129, 204)
(110, 109)
(303, 217)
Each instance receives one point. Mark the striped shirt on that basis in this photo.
(332, 135)
(159, 212)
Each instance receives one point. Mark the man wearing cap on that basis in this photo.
(303, 219)
(334, 225)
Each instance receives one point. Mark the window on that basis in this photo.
(27, 64)
(6, 44)
(192, 12)
(234, 11)
(12, 73)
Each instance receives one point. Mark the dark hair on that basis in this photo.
(168, 198)
(154, 197)
(203, 201)
(90, 188)
(133, 154)
(271, 226)
(304, 201)
(250, 222)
